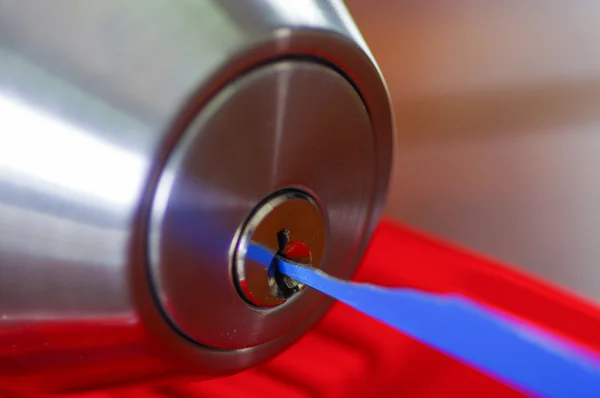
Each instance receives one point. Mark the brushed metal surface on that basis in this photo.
(93, 97)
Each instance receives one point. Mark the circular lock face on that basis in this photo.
(288, 145)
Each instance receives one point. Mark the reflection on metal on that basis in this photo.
(43, 150)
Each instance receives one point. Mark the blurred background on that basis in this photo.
(498, 116)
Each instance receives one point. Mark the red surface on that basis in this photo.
(349, 355)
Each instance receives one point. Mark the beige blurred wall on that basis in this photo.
(498, 116)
